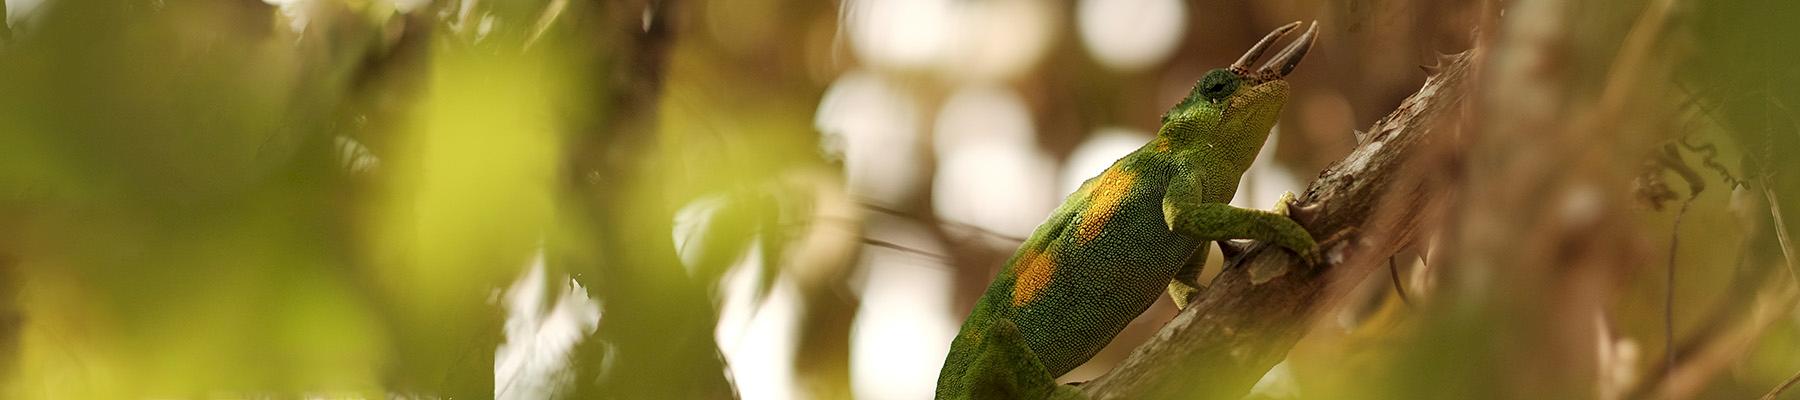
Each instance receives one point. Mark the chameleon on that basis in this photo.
(1123, 238)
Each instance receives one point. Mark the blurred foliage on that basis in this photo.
(174, 199)
(228, 198)
(201, 201)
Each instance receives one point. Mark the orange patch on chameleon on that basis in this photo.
(1103, 202)
(1033, 275)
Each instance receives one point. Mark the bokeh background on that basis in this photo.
(781, 199)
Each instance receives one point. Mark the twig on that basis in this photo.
(1669, 297)
(1783, 387)
(1787, 254)
(1781, 235)
(1671, 158)
(1723, 336)
(959, 225)
(939, 258)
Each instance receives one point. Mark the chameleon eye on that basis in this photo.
(1217, 85)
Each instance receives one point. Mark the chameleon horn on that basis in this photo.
(1242, 66)
(1290, 56)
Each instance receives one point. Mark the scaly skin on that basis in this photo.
(1119, 241)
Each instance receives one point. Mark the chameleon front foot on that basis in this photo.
(1302, 246)
(1310, 255)
(1281, 205)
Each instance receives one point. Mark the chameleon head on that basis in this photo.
(1239, 99)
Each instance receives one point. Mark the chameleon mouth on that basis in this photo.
(1284, 62)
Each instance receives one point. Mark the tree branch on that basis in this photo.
(1364, 208)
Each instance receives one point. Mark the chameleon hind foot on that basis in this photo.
(1007, 369)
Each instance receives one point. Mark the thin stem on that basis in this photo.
(939, 258)
(1781, 235)
(1783, 387)
(1669, 297)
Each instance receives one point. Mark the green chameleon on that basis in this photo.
(1127, 235)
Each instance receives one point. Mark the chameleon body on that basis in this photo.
(1126, 236)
